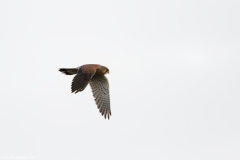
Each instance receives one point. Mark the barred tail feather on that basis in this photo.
(68, 71)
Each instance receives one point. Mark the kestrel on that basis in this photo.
(93, 74)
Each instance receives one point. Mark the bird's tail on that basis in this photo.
(69, 71)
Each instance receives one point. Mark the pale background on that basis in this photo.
(174, 79)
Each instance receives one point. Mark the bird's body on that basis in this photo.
(92, 74)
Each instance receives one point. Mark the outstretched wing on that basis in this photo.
(81, 80)
(100, 89)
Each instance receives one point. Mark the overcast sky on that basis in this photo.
(174, 79)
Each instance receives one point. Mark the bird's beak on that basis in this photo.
(108, 71)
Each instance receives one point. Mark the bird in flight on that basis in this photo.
(94, 75)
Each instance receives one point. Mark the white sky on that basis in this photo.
(174, 79)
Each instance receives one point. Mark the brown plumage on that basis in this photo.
(93, 74)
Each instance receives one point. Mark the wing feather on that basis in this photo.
(100, 89)
(81, 80)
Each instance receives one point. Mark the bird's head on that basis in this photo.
(105, 70)
(102, 70)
